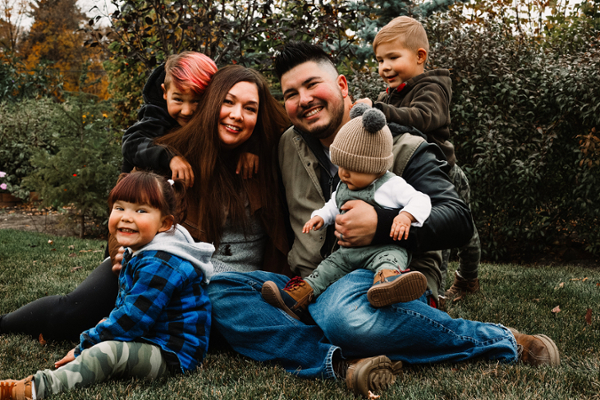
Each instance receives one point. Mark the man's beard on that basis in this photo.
(337, 116)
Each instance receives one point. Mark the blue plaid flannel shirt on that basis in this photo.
(160, 301)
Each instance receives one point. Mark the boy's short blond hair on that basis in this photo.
(408, 30)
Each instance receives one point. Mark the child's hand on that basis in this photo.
(247, 165)
(182, 171)
(401, 225)
(315, 223)
(368, 102)
(66, 359)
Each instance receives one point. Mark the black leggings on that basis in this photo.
(65, 317)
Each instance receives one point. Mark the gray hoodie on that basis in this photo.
(179, 242)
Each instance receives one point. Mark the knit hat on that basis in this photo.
(364, 144)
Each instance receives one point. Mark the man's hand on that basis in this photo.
(357, 226)
(247, 165)
(182, 171)
(368, 102)
(401, 226)
(66, 359)
(116, 268)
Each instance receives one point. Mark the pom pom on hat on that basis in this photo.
(358, 109)
(373, 120)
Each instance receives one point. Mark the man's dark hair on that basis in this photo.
(295, 53)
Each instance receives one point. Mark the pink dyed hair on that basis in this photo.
(189, 70)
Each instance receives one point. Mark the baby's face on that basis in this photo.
(356, 180)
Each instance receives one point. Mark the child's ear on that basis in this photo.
(167, 223)
(162, 85)
(421, 56)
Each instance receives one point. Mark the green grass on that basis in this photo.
(514, 295)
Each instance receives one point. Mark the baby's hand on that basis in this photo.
(66, 359)
(401, 226)
(368, 102)
(315, 223)
(247, 165)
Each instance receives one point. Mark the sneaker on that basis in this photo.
(368, 374)
(392, 286)
(16, 390)
(461, 287)
(294, 298)
(536, 349)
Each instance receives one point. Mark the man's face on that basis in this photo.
(313, 95)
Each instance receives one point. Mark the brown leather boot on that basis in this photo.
(16, 390)
(461, 287)
(294, 298)
(536, 349)
(368, 374)
(392, 286)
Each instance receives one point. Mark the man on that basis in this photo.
(376, 340)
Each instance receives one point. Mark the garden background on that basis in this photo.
(525, 120)
(525, 108)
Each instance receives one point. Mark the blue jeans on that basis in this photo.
(412, 332)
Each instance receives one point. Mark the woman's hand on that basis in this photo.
(247, 165)
(357, 226)
(66, 359)
(182, 171)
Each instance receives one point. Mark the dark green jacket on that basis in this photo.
(423, 103)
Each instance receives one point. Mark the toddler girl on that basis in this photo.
(161, 320)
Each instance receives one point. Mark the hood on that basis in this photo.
(153, 93)
(179, 242)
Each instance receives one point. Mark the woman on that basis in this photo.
(243, 218)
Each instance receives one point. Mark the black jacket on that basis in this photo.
(153, 121)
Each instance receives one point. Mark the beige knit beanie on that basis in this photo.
(364, 144)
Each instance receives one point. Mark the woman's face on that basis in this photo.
(239, 113)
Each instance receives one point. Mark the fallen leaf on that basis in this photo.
(556, 310)
(584, 279)
(50, 241)
(84, 251)
(75, 269)
(72, 247)
(575, 279)
(41, 340)
(72, 255)
(588, 316)
(53, 250)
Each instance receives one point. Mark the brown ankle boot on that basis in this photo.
(16, 390)
(294, 298)
(536, 349)
(461, 287)
(391, 286)
(373, 374)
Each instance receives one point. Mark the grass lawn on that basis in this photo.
(517, 296)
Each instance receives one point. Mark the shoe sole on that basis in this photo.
(270, 293)
(373, 374)
(408, 287)
(552, 349)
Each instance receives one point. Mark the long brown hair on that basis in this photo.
(218, 191)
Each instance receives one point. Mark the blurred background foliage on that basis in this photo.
(525, 108)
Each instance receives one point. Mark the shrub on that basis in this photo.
(524, 118)
(25, 126)
(84, 164)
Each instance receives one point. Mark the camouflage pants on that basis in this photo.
(104, 361)
(470, 254)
